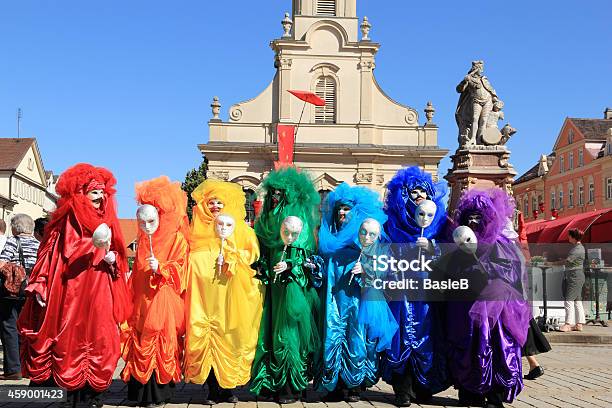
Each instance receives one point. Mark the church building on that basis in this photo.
(361, 135)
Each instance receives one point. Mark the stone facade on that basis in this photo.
(23, 180)
(361, 137)
(577, 177)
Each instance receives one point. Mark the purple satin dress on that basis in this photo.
(485, 335)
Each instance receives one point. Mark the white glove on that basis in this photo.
(110, 258)
(40, 301)
(153, 264)
(220, 259)
(280, 267)
(357, 269)
(422, 242)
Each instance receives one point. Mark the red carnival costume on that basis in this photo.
(73, 340)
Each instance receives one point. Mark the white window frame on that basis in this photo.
(326, 8)
(328, 90)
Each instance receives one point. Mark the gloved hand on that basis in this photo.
(110, 258)
(153, 264)
(280, 267)
(40, 301)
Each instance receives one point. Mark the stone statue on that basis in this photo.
(478, 110)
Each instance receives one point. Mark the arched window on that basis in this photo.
(591, 191)
(526, 205)
(326, 7)
(326, 89)
(560, 198)
(570, 195)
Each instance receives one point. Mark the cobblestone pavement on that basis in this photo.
(576, 376)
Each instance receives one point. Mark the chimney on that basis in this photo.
(608, 113)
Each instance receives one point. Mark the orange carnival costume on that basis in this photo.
(153, 349)
(77, 294)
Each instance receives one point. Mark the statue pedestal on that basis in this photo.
(479, 167)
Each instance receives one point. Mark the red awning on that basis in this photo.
(543, 231)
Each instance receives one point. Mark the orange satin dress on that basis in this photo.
(152, 338)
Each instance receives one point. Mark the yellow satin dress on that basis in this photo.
(223, 308)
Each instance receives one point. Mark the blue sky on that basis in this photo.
(128, 84)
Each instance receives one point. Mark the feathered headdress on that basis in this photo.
(364, 203)
(72, 187)
(171, 204)
(401, 226)
(298, 198)
(494, 205)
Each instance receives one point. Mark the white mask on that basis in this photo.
(369, 232)
(102, 236)
(148, 219)
(425, 213)
(465, 238)
(224, 226)
(291, 228)
(96, 197)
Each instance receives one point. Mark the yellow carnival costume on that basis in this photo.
(223, 309)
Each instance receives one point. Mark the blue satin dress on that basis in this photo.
(416, 348)
(359, 323)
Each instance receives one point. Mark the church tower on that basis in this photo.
(360, 136)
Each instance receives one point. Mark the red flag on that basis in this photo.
(285, 136)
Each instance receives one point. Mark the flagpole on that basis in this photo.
(299, 121)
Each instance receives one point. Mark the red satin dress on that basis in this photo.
(75, 339)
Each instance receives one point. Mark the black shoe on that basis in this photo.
(155, 404)
(467, 399)
(227, 395)
(402, 401)
(354, 395)
(336, 395)
(535, 373)
(286, 400)
(492, 405)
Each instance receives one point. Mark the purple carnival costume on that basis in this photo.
(413, 364)
(486, 329)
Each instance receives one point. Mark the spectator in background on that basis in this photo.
(2, 234)
(20, 249)
(573, 283)
(39, 228)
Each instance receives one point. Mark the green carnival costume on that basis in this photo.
(288, 337)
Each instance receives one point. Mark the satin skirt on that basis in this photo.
(482, 358)
(288, 339)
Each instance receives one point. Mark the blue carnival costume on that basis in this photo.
(359, 323)
(413, 365)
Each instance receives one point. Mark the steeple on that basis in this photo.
(327, 8)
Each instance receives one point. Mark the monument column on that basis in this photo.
(482, 159)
